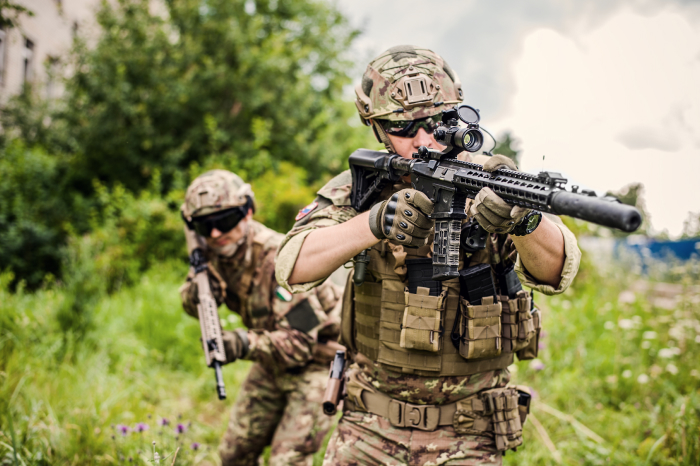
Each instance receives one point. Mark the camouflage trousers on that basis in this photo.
(279, 409)
(363, 439)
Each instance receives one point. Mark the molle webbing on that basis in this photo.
(379, 309)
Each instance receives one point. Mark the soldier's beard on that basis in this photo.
(230, 249)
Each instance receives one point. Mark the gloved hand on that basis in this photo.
(236, 344)
(493, 213)
(216, 284)
(403, 218)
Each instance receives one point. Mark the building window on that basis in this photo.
(28, 53)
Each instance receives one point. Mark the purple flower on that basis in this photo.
(542, 334)
(123, 429)
(536, 365)
(195, 446)
(164, 422)
(181, 428)
(540, 345)
(140, 427)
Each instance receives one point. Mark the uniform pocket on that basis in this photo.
(532, 348)
(480, 329)
(518, 322)
(422, 323)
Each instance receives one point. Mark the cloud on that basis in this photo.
(646, 137)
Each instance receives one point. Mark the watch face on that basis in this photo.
(532, 221)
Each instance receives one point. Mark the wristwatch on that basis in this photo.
(528, 224)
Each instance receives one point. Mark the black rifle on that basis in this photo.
(448, 183)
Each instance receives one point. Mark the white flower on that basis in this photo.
(646, 344)
(667, 353)
(627, 373)
(649, 335)
(626, 324)
(672, 369)
(609, 325)
(627, 297)
(695, 373)
(611, 379)
(566, 305)
(643, 378)
(697, 338)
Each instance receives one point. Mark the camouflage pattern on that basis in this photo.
(367, 439)
(364, 438)
(386, 85)
(279, 404)
(279, 409)
(213, 191)
(251, 292)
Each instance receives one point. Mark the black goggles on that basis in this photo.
(224, 221)
(409, 128)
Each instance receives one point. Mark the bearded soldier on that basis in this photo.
(290, 338)
(428, 383)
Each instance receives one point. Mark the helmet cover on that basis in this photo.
(407, 83)
(214, 191)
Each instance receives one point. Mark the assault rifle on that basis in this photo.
(448, 183)
(209, 323)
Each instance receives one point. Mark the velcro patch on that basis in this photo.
(302, 317)
(306, 210)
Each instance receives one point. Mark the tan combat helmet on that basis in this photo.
(406, 83)
(214, 191)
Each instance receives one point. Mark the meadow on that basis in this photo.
(616, 381)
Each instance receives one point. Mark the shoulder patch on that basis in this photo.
(302, 317)
(306, 210)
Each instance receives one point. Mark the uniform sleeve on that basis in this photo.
(301, 326)
(187, 296)
(331, 207)
(568, 273)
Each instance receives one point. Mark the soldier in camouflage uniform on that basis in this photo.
(290, 338)
(428, 383)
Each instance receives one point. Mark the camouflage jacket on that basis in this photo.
(331, 207)
(285, 331)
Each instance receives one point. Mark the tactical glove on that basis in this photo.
(493, 213)
(216, 284)
(403, 218)
(236, 344)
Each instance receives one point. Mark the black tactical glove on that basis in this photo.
(493, 213)
(403, 218)
(236, 344)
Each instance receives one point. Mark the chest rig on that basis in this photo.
(411, 324)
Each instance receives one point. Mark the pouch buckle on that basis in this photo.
(489, 406)
(421, 417)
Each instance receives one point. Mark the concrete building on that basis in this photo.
(35, 50)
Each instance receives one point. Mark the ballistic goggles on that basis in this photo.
(223, 221)
(409, 128)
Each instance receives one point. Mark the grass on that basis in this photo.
(610, 391)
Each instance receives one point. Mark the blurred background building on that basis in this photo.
(35, 51)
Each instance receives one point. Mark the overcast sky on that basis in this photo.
(608, 91)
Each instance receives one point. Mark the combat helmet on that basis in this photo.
(214, 191)
(406, 83)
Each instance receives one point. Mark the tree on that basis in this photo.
(506, 147)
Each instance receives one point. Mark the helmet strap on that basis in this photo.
(382, 136)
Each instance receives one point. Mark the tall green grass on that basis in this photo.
(609, 391)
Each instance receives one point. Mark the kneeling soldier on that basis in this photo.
(291, 338)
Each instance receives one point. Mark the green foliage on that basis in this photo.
(142, 357)
(507, 146)
(33, 211)
(158, 93)
(10, 13)
(633, 194)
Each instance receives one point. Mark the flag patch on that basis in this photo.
(306, 210)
